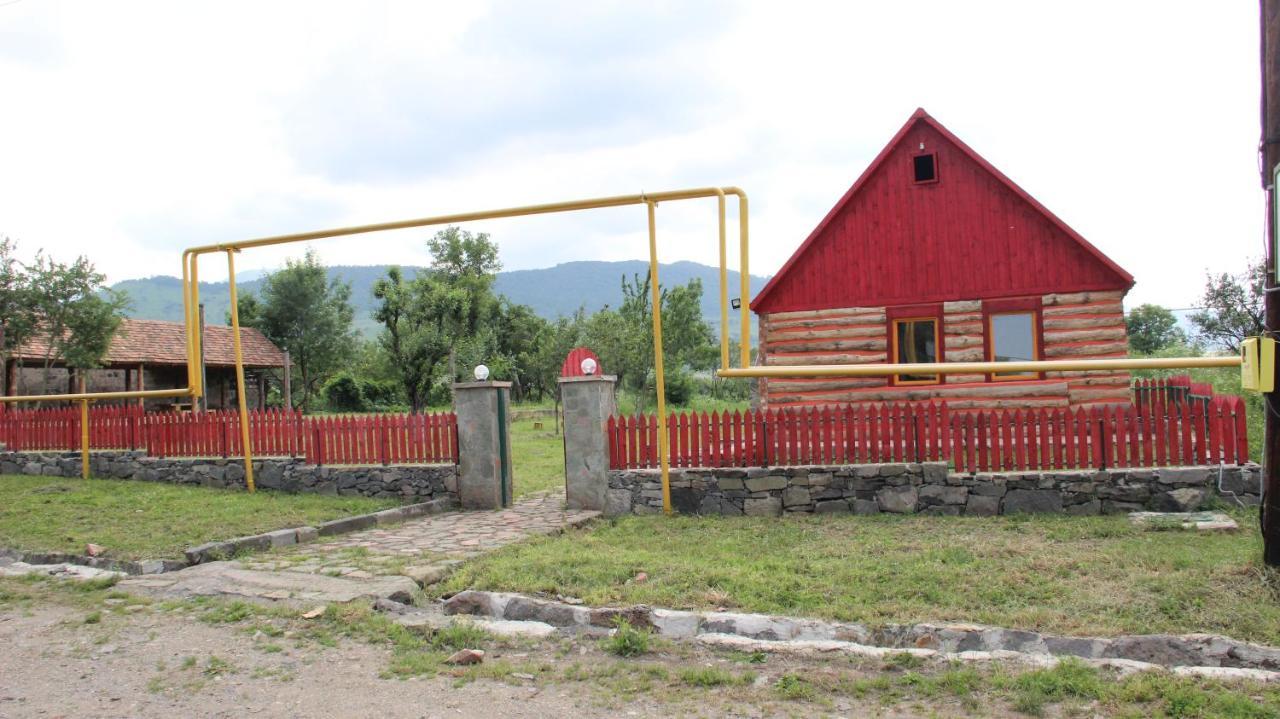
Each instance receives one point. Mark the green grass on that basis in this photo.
(538, 455)
(149, 520)
(1074, 575)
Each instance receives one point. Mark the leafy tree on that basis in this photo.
(73, 312)
(518, 335)
(1233, 307)
(304, 312)
(464, 267)
(1151, 328)
(412, 333)
(17, 310)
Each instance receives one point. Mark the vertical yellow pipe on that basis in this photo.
(197, 380)
(746, 282)
(186, 312)
(724, 289)
(235, 343)
(660, 379)
(84, 438)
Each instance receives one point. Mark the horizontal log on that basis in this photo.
(1094, 395)
(962, 306)
(792, 386)
(1104, 308)
(960, 342)
(961, 328)
(1088, 373)
(784, 360)
(1071, 322)
(803, 333)
(1088, 349)
(1085, 335)
(1027, 403)
(964, 378)
(973, 354)
(1079, 298)
(820, 314)
(827, 345)
(1117, 380)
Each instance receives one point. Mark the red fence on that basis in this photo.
(371, 439)
(1160, 433)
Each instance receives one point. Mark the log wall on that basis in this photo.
(1076, 326)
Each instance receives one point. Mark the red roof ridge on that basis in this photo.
(920, 115)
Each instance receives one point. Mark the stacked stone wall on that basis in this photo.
(929, 488)
(411, 483)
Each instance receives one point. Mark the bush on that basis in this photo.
(680, 386)
(627, 641)
(348, 393)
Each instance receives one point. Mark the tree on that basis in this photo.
(17, 311)
(1232, 307)
(1152, 328)
(464, 266)
(411, 335)
(72, 311)
(304, 312)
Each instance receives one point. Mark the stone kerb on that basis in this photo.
(588, 404)
(928, 488)
(410, 483)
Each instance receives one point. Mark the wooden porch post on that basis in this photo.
(262, 390)
(142, 383)
(286, 387)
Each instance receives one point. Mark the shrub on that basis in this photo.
(627, 641)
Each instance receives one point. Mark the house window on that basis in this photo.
(1013, 337)
(915, 340)
(925, 168)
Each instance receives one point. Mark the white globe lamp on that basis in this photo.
(588, 367)
(482, 373)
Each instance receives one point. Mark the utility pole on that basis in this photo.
(1269, 150)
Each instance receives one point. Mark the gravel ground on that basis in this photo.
(53, 665)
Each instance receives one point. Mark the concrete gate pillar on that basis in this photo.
(484, 444)
(588, 404)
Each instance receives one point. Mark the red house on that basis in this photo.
(933, 255)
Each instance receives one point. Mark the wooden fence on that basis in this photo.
(366, 439)
(1162, 433)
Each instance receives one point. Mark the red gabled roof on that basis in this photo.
(157, 342)
(974, 234)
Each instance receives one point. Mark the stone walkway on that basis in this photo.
(427, 548)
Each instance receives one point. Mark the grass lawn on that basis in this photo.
(147, 520)
(1094, 575)
(538, 456)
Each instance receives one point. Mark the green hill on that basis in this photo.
(552, 292)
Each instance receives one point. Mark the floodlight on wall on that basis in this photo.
(588, 366)
(482, 373)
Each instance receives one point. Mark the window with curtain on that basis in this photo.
(915, 340)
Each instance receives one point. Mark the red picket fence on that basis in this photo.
(1161, 434)
(1158, 434)
(370, 439)
(852, 434)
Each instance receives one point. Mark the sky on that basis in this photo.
(130, 130)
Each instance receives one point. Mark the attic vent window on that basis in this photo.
(925, 168)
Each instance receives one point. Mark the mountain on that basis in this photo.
(552, 292)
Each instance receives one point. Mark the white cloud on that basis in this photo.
(132, 130)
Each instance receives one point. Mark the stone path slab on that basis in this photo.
(228, 579)
(426, 548)
(1201, 521)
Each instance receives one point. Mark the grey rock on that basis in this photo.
(1183, 499)
(763, 507)
(899, 500)
(1183, 476)
(1089, 508)
(1032, 500)
(617, 502)
(764, 484)
(794, 496)
(831, 506)
(943, 494)
(980, 505)
(866, 506)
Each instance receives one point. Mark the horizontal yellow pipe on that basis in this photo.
(880, 370)
(133, 394)
(525, 210)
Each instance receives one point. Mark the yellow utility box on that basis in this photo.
(1258, 364)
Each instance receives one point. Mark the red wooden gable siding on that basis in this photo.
(572, 366)
(973, 234)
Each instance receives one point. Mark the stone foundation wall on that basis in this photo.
(929, 488)
(412, 483)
